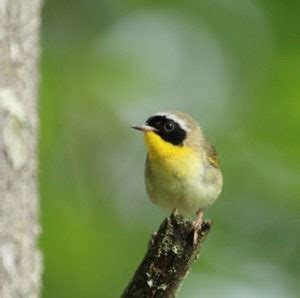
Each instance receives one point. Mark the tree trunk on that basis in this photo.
(20, 259)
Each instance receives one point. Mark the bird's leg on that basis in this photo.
(175, 211)
(197, 225)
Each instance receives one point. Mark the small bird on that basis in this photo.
(182, 169)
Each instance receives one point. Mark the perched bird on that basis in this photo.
(182, 169)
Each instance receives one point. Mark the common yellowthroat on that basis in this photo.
(182, 169)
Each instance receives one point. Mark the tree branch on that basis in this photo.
(168, 260)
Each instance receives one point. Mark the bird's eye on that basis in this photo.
(169, 126)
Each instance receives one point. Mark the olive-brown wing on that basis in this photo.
(212, 155)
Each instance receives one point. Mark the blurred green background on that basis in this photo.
(235, 66)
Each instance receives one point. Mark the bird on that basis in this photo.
(182, 169)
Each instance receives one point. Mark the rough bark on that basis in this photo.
(20, 259)
(168, 260)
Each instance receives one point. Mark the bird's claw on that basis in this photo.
(196, 225)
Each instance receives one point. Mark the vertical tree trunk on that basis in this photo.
(20, 259)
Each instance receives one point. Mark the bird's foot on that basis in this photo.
(196, 224)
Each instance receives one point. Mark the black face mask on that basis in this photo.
(167, 129)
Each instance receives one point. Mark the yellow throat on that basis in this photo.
(178, 160)
(159, 148)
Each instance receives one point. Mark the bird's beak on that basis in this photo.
(143, 127)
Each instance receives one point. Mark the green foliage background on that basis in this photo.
(235, 66)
